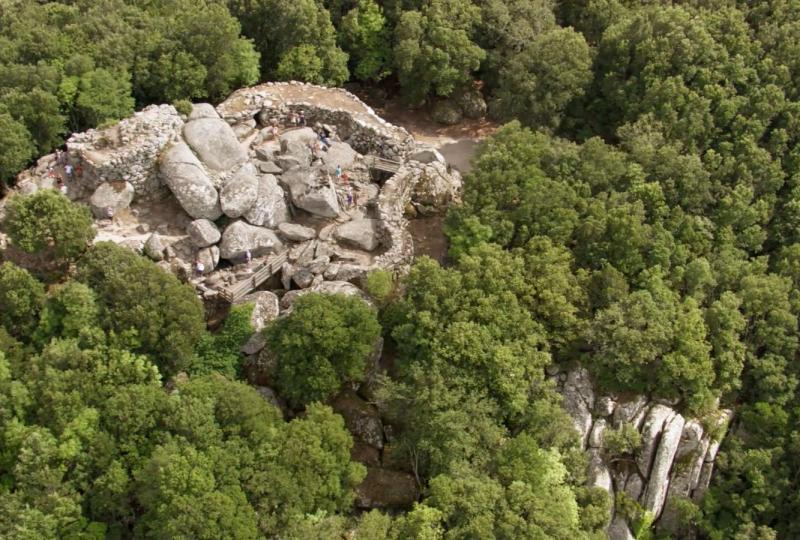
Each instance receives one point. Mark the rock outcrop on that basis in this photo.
(111, 196)
(240, 237)
(215, 143)
(675, 458)
(179, 175)
(240, 193)
(184, 175)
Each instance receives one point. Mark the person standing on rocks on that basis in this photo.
(302, 119)
(68, 171)
(338, 172)
(248, 257)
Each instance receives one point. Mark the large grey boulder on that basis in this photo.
(311, 192)
(239, 237)
(360, 233)
(304, 135)
(209, 257)
(239, 194)
(215, 143)
(298, 150)
(269, 209)
(427, 154)
(154, 247)
(185, 177)
(435, 188)
(203, 110)
(203, 233)
(268, 167)
(287, 162)
(341, 154)
(265, 308)
(294, 232)
(114, 195)
(266, 150)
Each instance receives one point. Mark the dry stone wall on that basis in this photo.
(239, 172)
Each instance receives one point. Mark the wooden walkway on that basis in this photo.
(269, 268)
(382, 164)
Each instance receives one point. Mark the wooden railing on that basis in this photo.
(271, 266)
(382, 164)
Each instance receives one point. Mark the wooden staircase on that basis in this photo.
(269, 268)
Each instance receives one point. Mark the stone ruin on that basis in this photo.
(219, 184)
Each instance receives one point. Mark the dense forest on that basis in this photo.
(639, 215)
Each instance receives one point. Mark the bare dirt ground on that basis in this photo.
(456, 143)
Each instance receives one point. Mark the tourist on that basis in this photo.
(109, 212)
(68, 170)
(302, 119)
(346, 179)
(62, 187)
(248, 256)
(349, 197)
(199, 267)
(78, 170)
(338, 172)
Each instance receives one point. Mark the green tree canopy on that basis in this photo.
(323, 343)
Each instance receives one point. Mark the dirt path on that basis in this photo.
(456, 143)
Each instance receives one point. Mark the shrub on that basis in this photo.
(21, 299)
(625, 440)
(183, 106)
(47, 222)
(162, 315)
(323, 343)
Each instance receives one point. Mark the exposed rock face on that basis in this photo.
(578, 393)
(239, 237)
(185, 177)
(311, 193)
(339, 154)
(215, 143)
(265, 308)
(386, 488)
(296, 233)
(113, 195)
(361, 418)
(269, 209)
(209, 257)
(360, 233)
(203, 110)
(203, 233)
(427, 155)
(675, 459)
(239, 194)
(436, 188)
(154, 247)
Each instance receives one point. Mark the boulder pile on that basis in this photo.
(276, 168)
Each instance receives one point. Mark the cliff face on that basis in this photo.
(674, 459)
